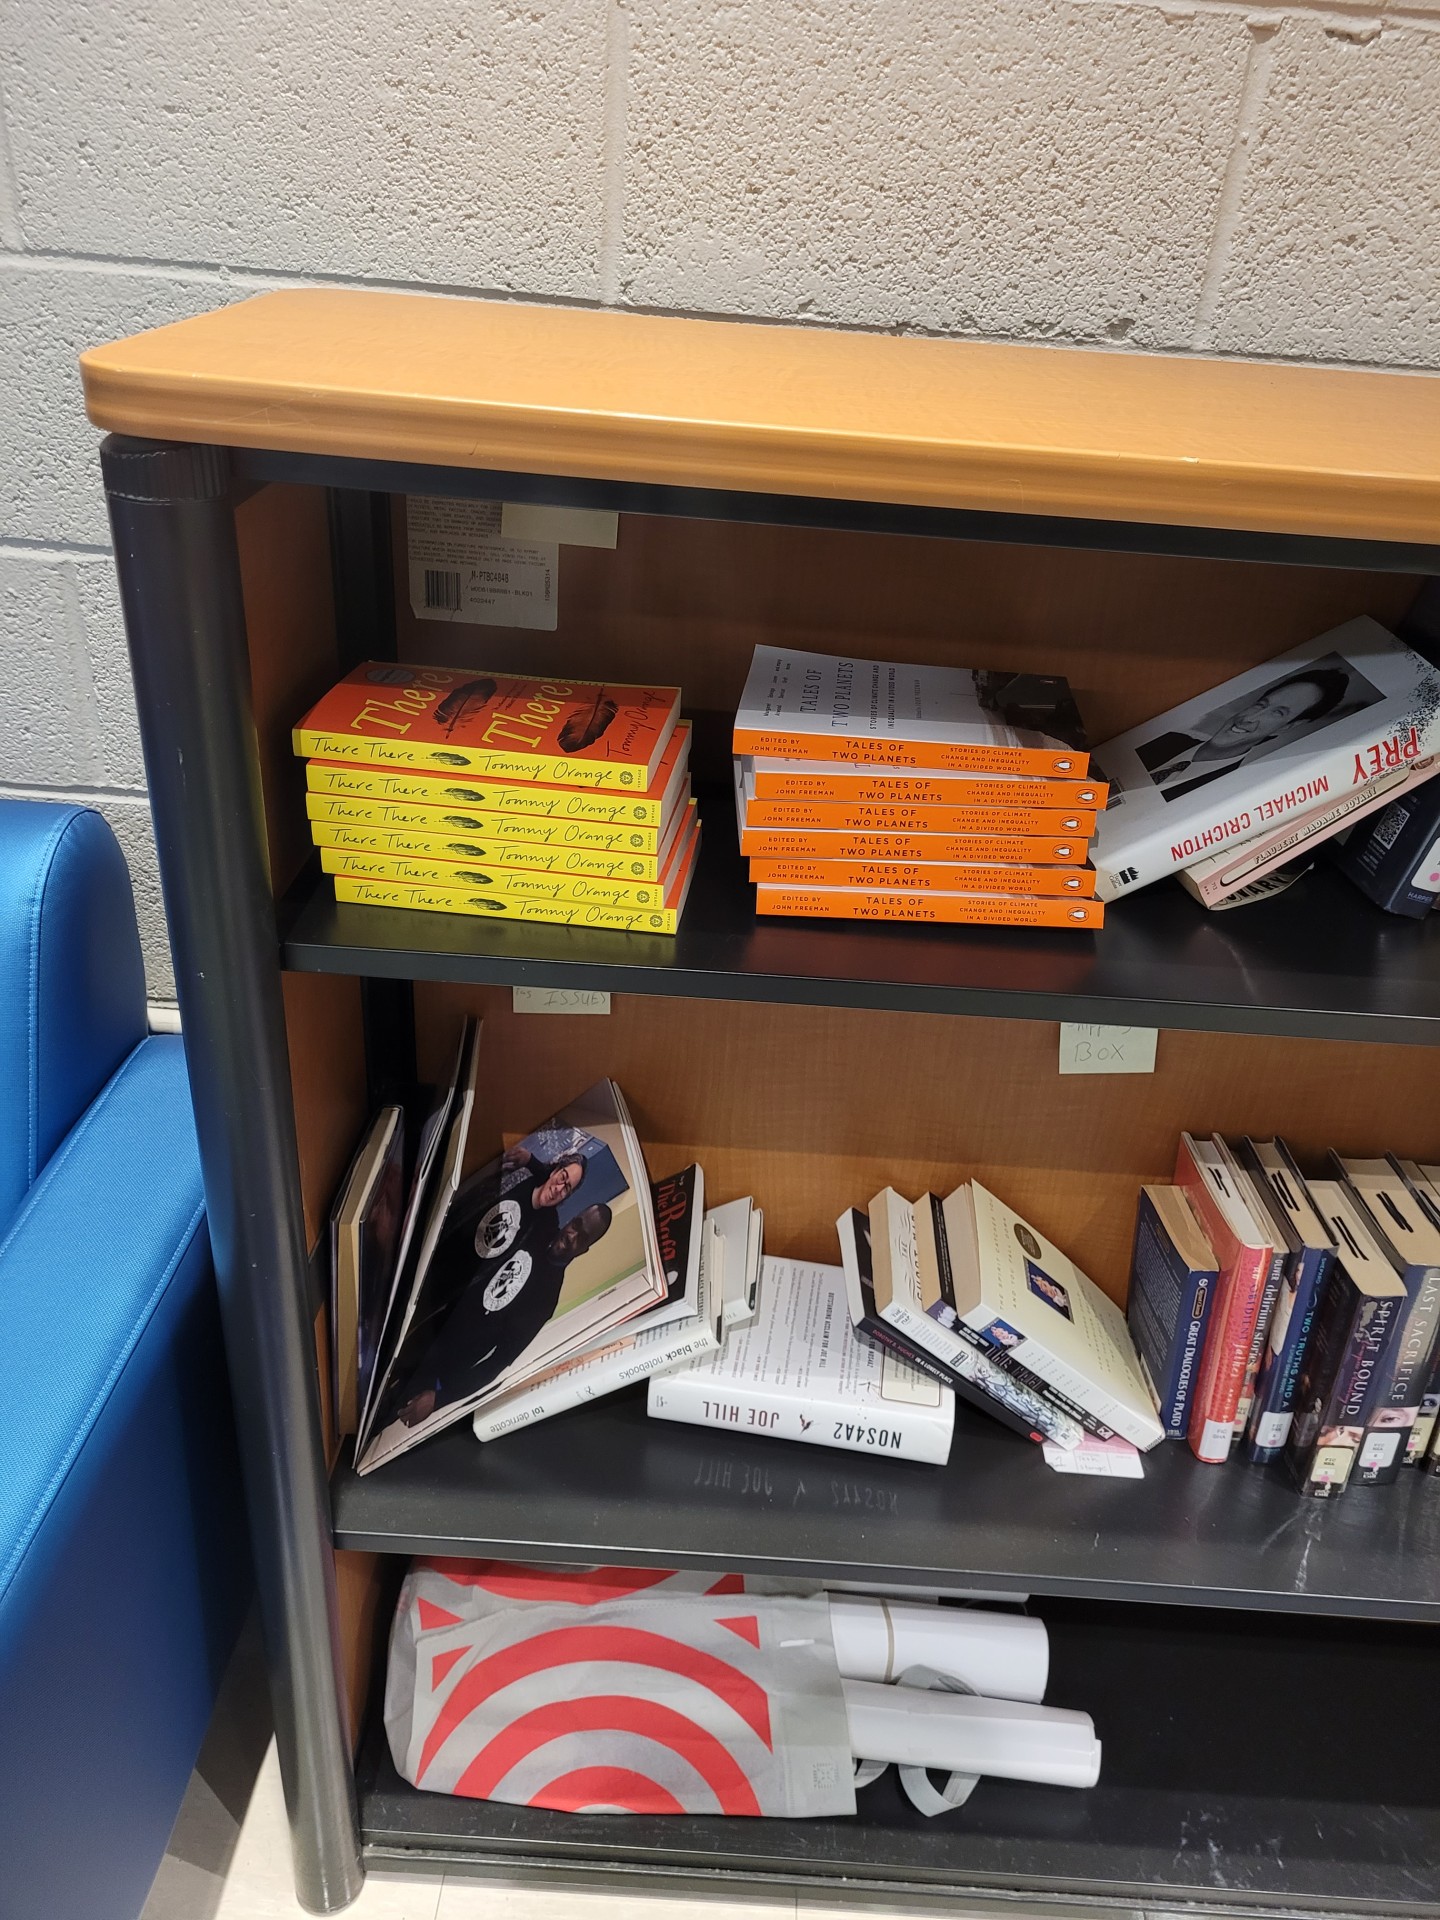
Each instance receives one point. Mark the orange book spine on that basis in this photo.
(865, 787)
(1028, 850)
(926, 877)
(940, 756)
(856, 817)
(961, 909)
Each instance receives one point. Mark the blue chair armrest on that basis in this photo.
(123, 1554)
(72, 983)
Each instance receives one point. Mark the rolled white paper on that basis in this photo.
(1000, 1654)
(959, 1733)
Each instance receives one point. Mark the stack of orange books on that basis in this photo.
(866, 790)
(455, 791)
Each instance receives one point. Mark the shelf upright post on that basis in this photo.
(172, 514)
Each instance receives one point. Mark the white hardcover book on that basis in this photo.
(1022, 1294)
(638, 1353)
(800, 1372)
(1258, 751)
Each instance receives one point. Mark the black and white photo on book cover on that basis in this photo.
(1247, 757)
(534, 1258)
(1284, 710)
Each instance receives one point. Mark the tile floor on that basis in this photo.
(229, 1856)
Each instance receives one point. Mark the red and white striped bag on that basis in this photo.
(616, 1689)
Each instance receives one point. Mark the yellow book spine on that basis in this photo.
(374, 841)
(512, 883)
(434, 825)
(486, 906)
(422, 790)
(555, 770)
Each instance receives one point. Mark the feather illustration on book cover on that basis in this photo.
(580, 732)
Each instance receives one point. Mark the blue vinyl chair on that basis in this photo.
(124, 1561)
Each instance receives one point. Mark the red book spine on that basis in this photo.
(1243, 1272)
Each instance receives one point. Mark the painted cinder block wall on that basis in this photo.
(1158, 175)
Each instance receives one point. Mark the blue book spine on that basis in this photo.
(1306, 1271)
(1168, 1306)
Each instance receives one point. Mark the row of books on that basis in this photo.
(1281, 1317)
(869, 790)
(554, 1275)
(451, 791)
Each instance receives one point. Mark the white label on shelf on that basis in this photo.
(462, 569)
(570, 526)
(558, 1000)
(1107, 1459)
(1106, 1049)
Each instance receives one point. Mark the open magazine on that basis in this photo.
(517, 1268)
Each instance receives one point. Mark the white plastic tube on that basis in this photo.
(1003, 1655)
(959, 1733)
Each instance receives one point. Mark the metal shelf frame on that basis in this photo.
(172, 513)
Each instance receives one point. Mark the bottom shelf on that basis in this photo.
(1250, 1762)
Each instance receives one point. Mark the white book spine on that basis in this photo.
(592, 1379)
(894, 1429)
(1165, 846)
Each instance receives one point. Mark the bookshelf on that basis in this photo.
(1148, 526)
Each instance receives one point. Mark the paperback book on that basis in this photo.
(548, 1247)
(513, 881)
(597, 914)
(430, 829)
(890, 876)
(471, 802)
(364, 1241)
(829, 708)
(953, 909)
(452, 720)
(685, 1324)
(1022, 850)
(1021, 1294)
(885, 1308)
(1253, 754)
(840, 783)
(800, 1372)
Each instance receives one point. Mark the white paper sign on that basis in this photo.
(570, 526)
(1106, 1049)
(462, 569)
(1106, 1459)
(557, 1000)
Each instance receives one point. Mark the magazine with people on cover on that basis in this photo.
(1226, 766)
(548, 1246)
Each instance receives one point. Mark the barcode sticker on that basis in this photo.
(462, 569)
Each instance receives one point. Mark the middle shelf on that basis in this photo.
(606, 1484)
(1318, 962)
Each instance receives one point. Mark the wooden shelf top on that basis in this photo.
(1170, 440)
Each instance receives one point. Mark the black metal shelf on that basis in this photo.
(1319, 962)
(1247, 1763)
(605, 1483)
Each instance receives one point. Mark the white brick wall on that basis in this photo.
(1145, 174)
